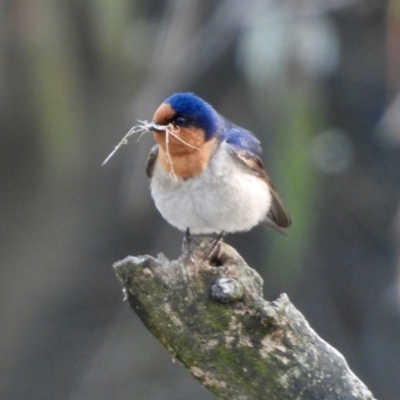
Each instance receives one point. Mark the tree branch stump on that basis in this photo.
(215, 321)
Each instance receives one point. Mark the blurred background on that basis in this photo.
(318, 82)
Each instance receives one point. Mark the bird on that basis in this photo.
(206, 174)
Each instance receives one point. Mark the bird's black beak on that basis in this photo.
(155, 127)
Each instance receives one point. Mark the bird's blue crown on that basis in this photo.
(199, 113)
(196, 111)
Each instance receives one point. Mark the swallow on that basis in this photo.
(206, 174)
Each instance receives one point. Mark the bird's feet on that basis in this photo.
(215, 252)
(212, 251)
(187, 244)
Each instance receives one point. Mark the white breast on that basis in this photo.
(224, 197)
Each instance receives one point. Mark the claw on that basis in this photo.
(187, 239)
(215, 247)
(187, 244)
(215, 252)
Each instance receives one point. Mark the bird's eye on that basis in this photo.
(180, 121)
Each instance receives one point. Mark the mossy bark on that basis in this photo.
(215, 321)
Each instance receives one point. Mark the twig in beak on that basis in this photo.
(145, 127)
(142, 128)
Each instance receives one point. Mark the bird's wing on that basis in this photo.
(277, 217)
(151, 160)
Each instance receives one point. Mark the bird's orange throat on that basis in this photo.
(187, 158)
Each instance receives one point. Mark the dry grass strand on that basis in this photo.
(145, 127)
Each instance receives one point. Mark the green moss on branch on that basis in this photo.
(238, 345)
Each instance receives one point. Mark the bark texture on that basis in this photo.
(212, 317)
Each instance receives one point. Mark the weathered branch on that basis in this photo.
(238, 345)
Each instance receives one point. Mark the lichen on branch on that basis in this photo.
(213, 319)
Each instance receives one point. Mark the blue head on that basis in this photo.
(188, 110)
